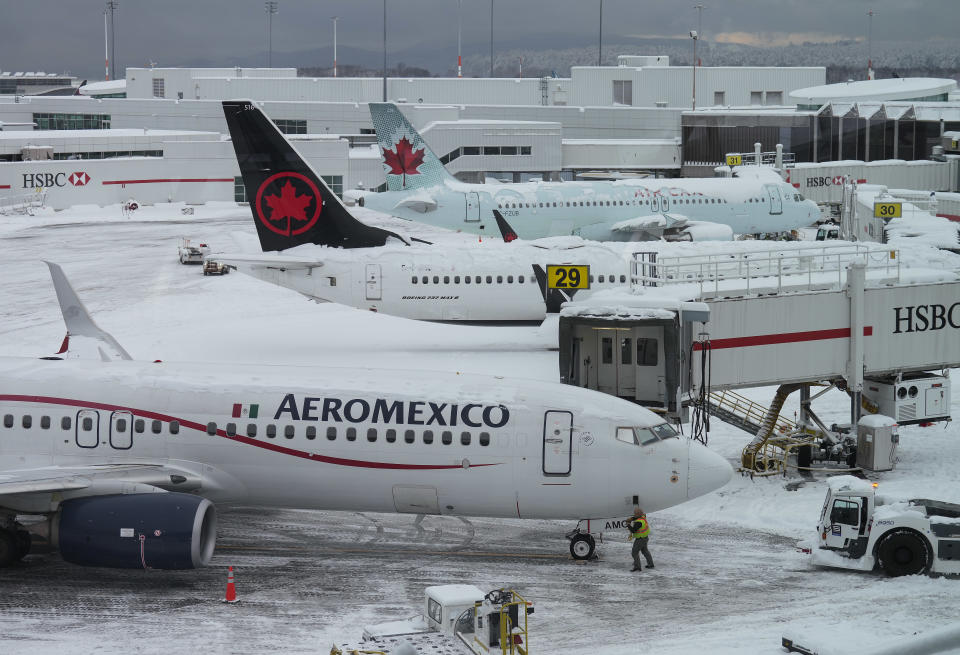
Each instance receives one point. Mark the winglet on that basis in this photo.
(77, 318)
(506, 231)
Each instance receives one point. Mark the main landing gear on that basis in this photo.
(14, 543)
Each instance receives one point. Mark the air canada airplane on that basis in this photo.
(126, 460)
(369, 268)
(419, 188)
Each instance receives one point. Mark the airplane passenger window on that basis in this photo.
(466, 279)
(331, 433)
(121, 425)
(484, 438)
(428, 436)
(371, 434)
(231, 429)
(252, 430)
(156, 427)
(591, 279)
(424, 279)
(499, 279)
(554, 204)
(446, 438)
(271, 431)
(476, 279)
(413, 280)
(65, 423)
(489, 279)
(174, 427)
(601, 279)
(45, 422)
(391, 435)
(520, 279)
(8, 421)
(351, 434)
(311, 432)
(509, 279)
(289, 431)
(409, 436)
(436, 279)
(27, 421)
(626, 435)
(446, 279)
(87, 424)
(456, 279)
(465, 438)
(623, 278)
(211, 428)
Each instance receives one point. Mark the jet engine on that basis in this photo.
(137, 531)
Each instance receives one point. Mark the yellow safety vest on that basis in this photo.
(644, 530)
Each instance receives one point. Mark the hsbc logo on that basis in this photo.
(79, 179)
(836, 180)
(49, 180)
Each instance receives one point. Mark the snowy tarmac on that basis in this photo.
(728, 577)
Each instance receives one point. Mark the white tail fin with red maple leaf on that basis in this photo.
(408, 161)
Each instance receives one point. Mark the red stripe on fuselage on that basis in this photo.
(338, 461)
(160, 181)
(787, 337)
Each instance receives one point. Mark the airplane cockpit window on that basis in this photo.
(626, 436)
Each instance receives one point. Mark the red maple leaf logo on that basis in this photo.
(403, 161)
(288, 205)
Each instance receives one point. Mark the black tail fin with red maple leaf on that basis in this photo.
(290, 203)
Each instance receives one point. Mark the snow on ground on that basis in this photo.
(728, 580)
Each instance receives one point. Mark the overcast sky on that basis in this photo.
(67, 35)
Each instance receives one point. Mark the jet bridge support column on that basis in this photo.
(856, 282)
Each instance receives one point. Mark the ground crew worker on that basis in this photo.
(640, 533)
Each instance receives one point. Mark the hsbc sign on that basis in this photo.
(49, 180)
(825, 181)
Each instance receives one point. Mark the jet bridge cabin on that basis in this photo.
(636, 353)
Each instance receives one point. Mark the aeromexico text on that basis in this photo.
(401, 412)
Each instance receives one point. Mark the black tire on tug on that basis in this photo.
(9, 549)
(24, 541)
(904, 552)
(582, 546)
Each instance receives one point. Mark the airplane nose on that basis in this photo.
(707, 472)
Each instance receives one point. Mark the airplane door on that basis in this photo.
(121, 430)
(776, 200)
(472, 211)
(626, 378)
(374, 291)
(650, 370)
(557, 441)
(87, 429)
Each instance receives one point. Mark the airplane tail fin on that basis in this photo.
(552, 298)
(506, 231)
(290, 203)
(408, 161)
(80, 324)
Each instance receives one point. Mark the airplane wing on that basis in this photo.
(127, 478)
(268, 261)
(418, 202)
(650, 222)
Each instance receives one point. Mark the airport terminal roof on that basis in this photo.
(898, 88)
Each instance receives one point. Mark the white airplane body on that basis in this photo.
(420, 189)
(126, 458)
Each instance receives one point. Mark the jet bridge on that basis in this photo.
(850, 316)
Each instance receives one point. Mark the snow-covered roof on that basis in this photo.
(104, 87)
(849, 483)
(899, 88)
(454, 594)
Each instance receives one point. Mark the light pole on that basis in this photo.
(696, 37)
(600, 39)
(112, 8)
(106, 47)
(870, 44)
(272, 7)
(699, 9)
(384, 50)
(334, 19)
(491, 38)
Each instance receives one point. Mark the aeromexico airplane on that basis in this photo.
(126, 460)
(419, 188)
(294, 211)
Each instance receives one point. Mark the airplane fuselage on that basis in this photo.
(590, 209)
(348, 439)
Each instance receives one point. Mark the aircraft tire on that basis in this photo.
(582, 546)
(9, 548)
(904, 552)
(24, 541)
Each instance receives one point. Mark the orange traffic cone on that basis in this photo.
(231, 596)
